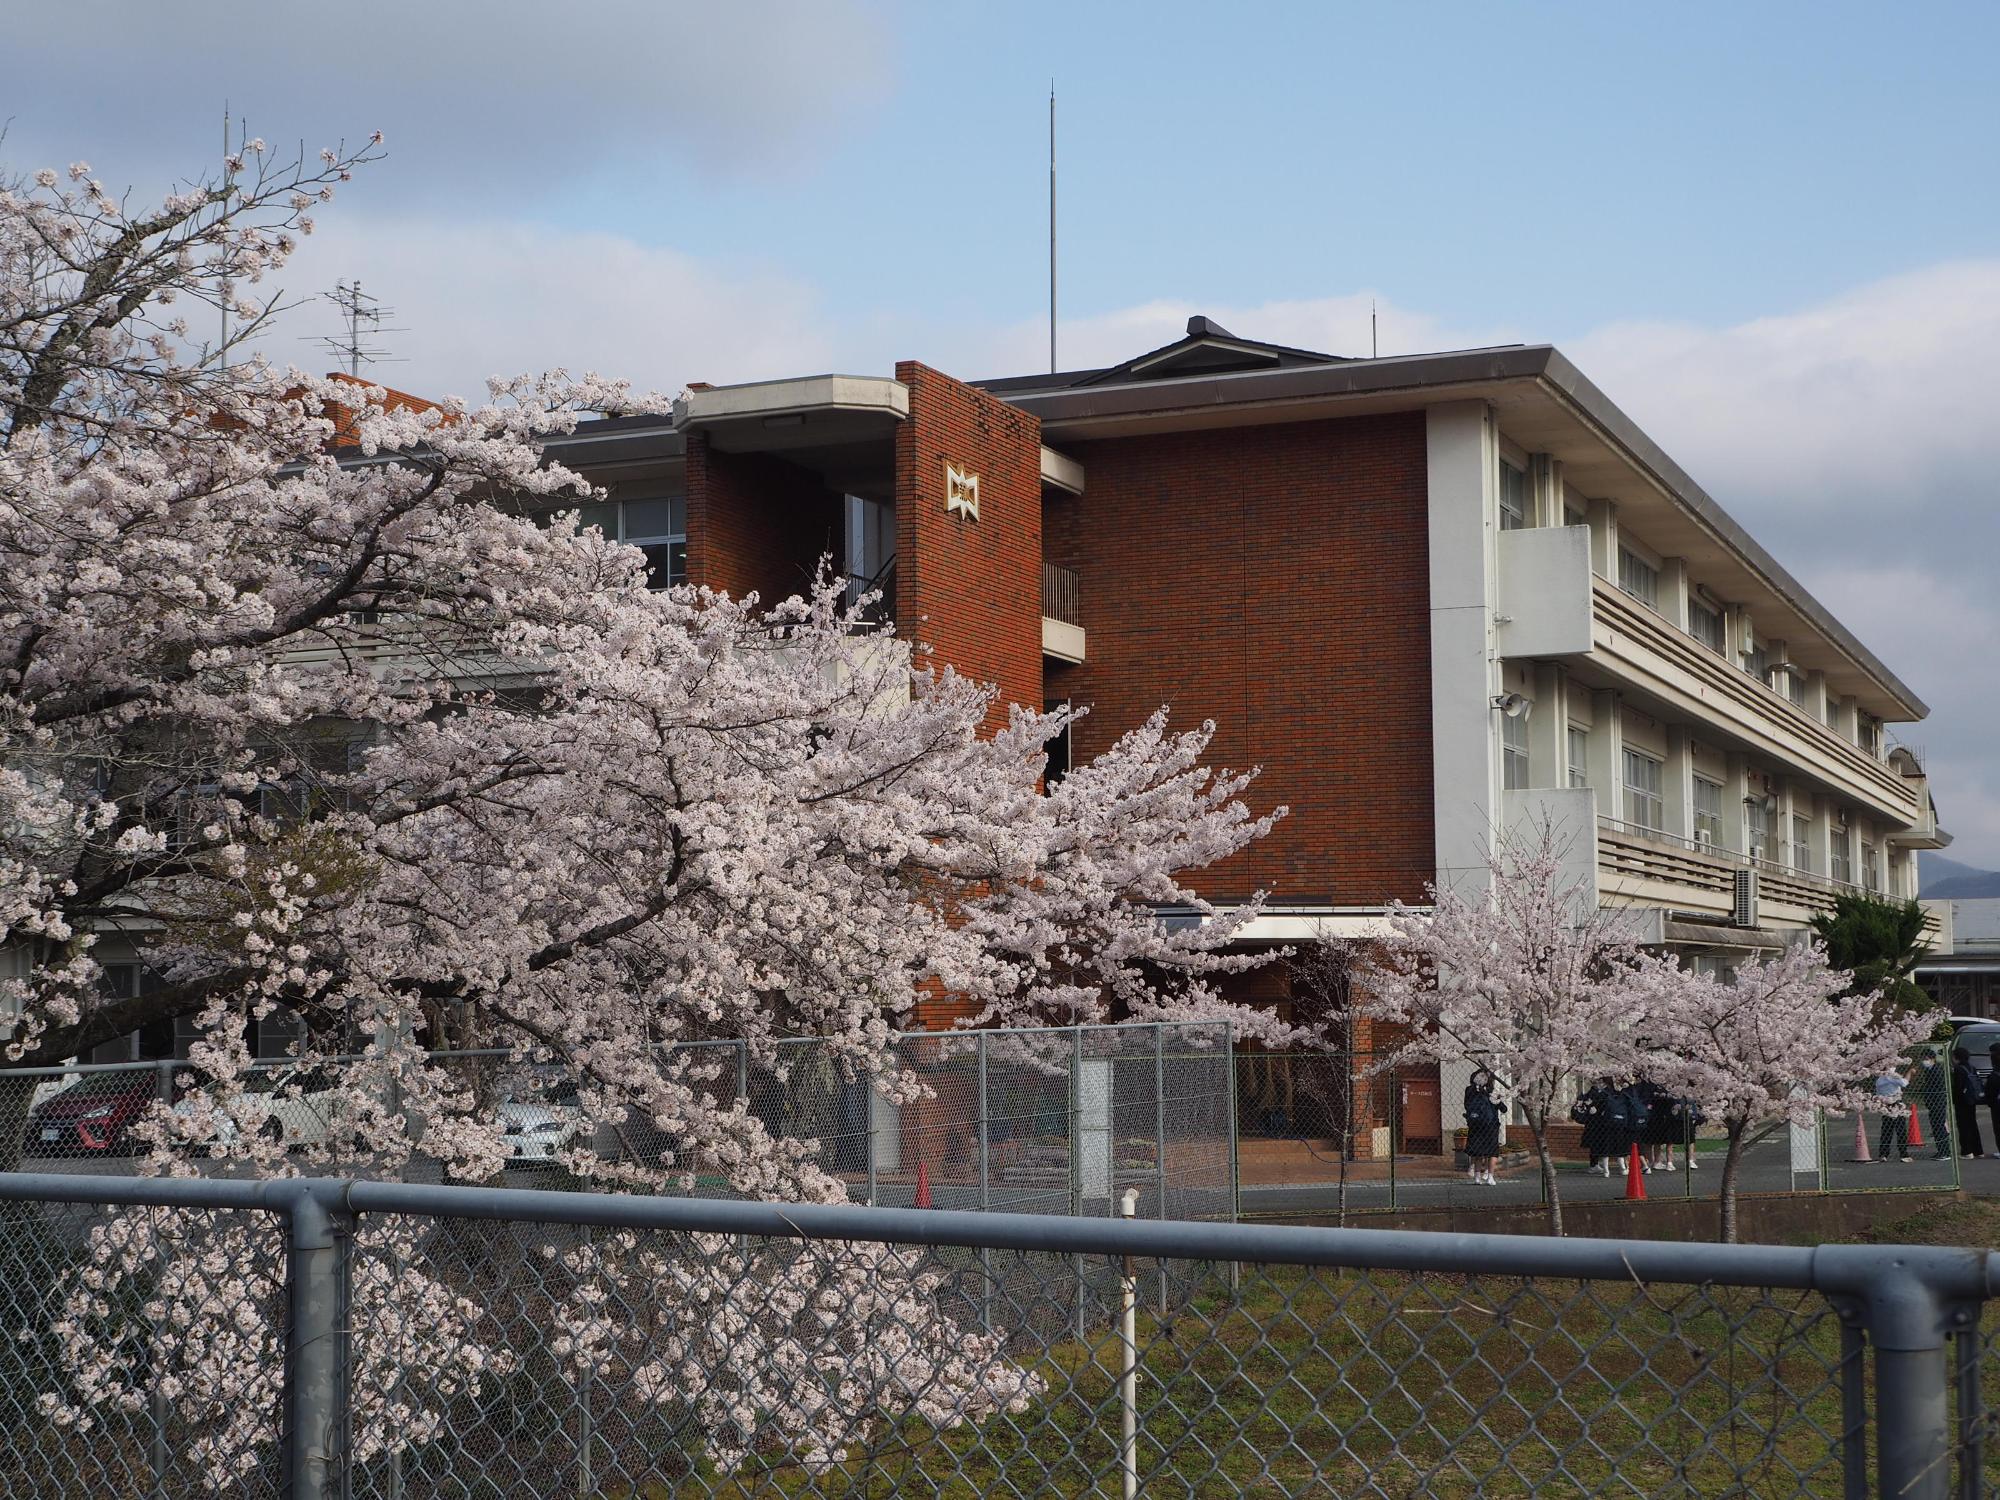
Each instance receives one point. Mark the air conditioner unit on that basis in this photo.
(1744, 910)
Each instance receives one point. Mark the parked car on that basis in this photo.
(540, 1123)
(289, 1104)
(93, 1116)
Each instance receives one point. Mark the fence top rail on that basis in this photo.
(1835, 1269)
(1218, 1029)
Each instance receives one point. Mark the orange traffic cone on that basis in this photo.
(1861, 1138)
(1635, 1180)
(1916, 1130)
(923, 1198)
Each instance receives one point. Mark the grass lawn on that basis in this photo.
(1317, 1383)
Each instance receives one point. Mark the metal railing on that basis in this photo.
(314, 1337)
(1059, 594)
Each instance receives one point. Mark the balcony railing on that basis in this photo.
(1708, 873)
(1059, 594)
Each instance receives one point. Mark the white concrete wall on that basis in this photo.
(1544, 582)
(1465, 676)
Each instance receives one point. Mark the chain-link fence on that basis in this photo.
(1057, 1120)
(320, 1337)
(1325, 1133)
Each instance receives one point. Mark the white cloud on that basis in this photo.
(1332, 325)
(1881, 397)
(477, 299)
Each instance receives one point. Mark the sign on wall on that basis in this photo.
(961, 491)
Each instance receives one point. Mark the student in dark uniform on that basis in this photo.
(1992, 1094)
(1934, 1089)
(1965, 1095)
(1593, 1111)
(1636, 1116)
(1482, 1127)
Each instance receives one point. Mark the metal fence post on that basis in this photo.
(1076, 1159)
(316, 1284)
(1160, 1138)
(985, 1190)
(1233, 1097)
(161, 1456)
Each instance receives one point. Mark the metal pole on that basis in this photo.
(1160, 1138)
(1233, 1096)
(1128, 1371)
(1853, 1413)
(1075, 1131)
(1970, 1345)
(315, 1366)
(1912, 1441)
(1052, 226)
(585, 1434)
(985, 1192)
(161, 1453)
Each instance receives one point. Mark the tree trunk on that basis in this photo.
(1551, 1190)
(1730, 1162)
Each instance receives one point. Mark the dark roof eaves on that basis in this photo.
(1460, 367)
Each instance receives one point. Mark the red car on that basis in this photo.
(91, 1116)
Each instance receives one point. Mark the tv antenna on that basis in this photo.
(1052, 226)
(363, 317)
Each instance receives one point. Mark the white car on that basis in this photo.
(537, 1132)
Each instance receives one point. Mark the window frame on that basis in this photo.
(1514, 758)
(673, 543)
(1523, 519)
(1801, 845)
(1711, 818)
(1639, 799)
(1633, 571)
(1719, 644)
(1576, 746)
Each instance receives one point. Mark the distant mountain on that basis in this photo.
(1942, 879)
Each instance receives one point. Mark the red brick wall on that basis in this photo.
(1276, 580)
(756, 523)
(972, 590)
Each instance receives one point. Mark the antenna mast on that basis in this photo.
(363, 316)
(1052, 226)
(1374, 346)
(222, 349)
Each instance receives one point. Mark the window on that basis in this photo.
(1705, 625)
(1707, 811)
(1644, 806)
(657, 528)
(1579, 756)
(1757, 662)
(1757, 827)
(1794, 684)
(1638, 577)
(1573, 516)
(1840, 855)
(1871, 868)
(1513, 497)
(1867, 732)
(1801, 843)
(1513, 751)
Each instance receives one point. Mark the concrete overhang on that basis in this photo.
(777, 416)
(1548, 406)
(1061, 472)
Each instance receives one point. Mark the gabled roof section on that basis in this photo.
(1208, 349)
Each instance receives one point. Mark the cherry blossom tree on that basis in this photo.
(1526, 979)
(326, 701)
(1778, 1040)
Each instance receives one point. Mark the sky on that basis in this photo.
(1770, 232)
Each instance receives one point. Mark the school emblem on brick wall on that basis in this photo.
(961, 491)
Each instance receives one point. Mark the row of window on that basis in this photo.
(1646, 806)
(1641, 579)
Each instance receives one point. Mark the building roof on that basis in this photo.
(1285, 388)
